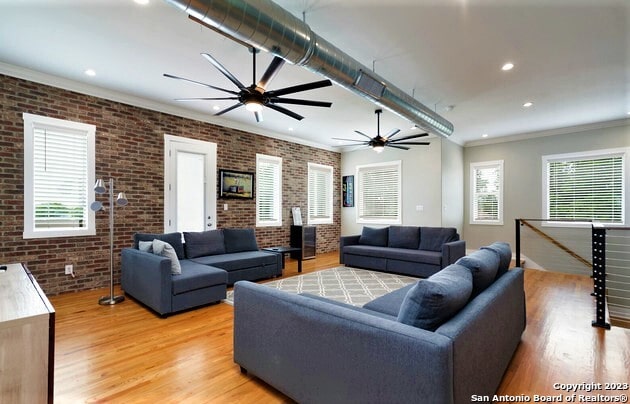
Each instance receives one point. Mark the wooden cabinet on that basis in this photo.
(27, 337)
(304, 237)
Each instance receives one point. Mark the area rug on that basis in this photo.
(344, 284)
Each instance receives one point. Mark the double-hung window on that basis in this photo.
(58, 177)
(586, 186)
(379, 193)
(486, 192)
(268, 190)
(320, 194)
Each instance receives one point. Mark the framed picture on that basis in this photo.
(236, 184)
(347, 190)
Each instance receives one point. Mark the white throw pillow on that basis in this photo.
(146, 246)
(166, 250)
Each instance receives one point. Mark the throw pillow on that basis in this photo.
(432, 301)
(432, 238)
(238, 240)
(484, 265)
(374, 236)
(204, 243)
(146, 246)
(404, 237)
(164, 249)
(174, 239)
(504, 253)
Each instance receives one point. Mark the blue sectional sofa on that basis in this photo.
(409, 250)
(440, 341)
(196, 272)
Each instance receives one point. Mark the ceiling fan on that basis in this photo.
(378, 143)
(256, 96)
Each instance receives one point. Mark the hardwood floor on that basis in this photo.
(125, 353)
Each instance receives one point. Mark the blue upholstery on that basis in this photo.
(389, 303)
(238, 240)
(404, 237)
(200, 244)
(505, 255)
(195, 276)
(432, 238)
(240, 260)
(432, 301)
(174, 239)
(483, 264)
(374, 236)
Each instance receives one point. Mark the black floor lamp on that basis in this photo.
(121, 200)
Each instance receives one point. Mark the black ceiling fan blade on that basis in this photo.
(270, 73)
(258, 115)
(223, 70)
(285, 111)
(278, 100)
(170, 76)
(299, 88)
(363, 134)
(206, 99)
(351, 140)
(410, 137)
(411, 143)
(392, 133)
(228, 109)
(396, 147)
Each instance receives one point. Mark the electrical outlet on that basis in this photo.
(69, 269)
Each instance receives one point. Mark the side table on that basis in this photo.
(287, 250)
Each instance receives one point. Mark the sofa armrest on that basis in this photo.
(147, 277)
(452, 251)
(344, 241)
(315, 351)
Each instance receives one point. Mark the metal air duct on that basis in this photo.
(265, 25)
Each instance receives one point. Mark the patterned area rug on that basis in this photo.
(348, 285)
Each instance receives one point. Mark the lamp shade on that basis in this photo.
(122, 199)
(99, 186)
(96, 206)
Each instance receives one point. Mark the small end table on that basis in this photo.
(286, 250)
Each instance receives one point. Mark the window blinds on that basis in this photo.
(486, 192)
(379, 194)
(268, 190)
(320, 193)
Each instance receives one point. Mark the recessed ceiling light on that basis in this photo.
(291, 129)
(216, 107)
(507, 66)
(484, 135)
(142, 2)
(528, 104)
(90, 72)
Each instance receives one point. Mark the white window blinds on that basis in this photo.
(320, 194)
(588, 187)
(59, 175)
(379, 193)
(487, 192)
(268, 190)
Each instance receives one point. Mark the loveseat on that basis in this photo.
(441, 347)
(195, 272)
(409, 250)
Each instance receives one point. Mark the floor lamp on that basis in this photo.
(121, 200)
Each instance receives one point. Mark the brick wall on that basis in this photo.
(129, 148)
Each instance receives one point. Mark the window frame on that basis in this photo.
(474, 167)
(277, 198)
(329, 172)
(397, 164)
(33, 122)
(584, 155)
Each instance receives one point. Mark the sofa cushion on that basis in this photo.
(237, 240)
(404, 237)
(434, 300)
(195, 276)
(174, 239)
(504, 253)
(389, 303)
(483, 265)
(432, 238)
(199, 244)
(146, 246)
(399, 254)
(374, 236)
(240, 260)
(166, 250)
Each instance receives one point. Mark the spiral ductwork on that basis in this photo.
(265, 25)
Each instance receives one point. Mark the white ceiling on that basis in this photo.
(572, 60)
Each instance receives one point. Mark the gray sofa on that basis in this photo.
(409, 250)
(208, 262)
(318, 351)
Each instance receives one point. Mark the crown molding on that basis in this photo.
(116, 96)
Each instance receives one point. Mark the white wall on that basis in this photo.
(452, 185)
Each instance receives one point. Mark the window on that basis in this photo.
(320, 194)
(58, 177)
(268, 190)
(486, 192)
(379, 193)
(585, 186)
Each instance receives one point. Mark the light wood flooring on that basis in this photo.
(127, 354)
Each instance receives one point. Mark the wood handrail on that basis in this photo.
(557, 243)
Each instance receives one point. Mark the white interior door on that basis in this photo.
(190, 183)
